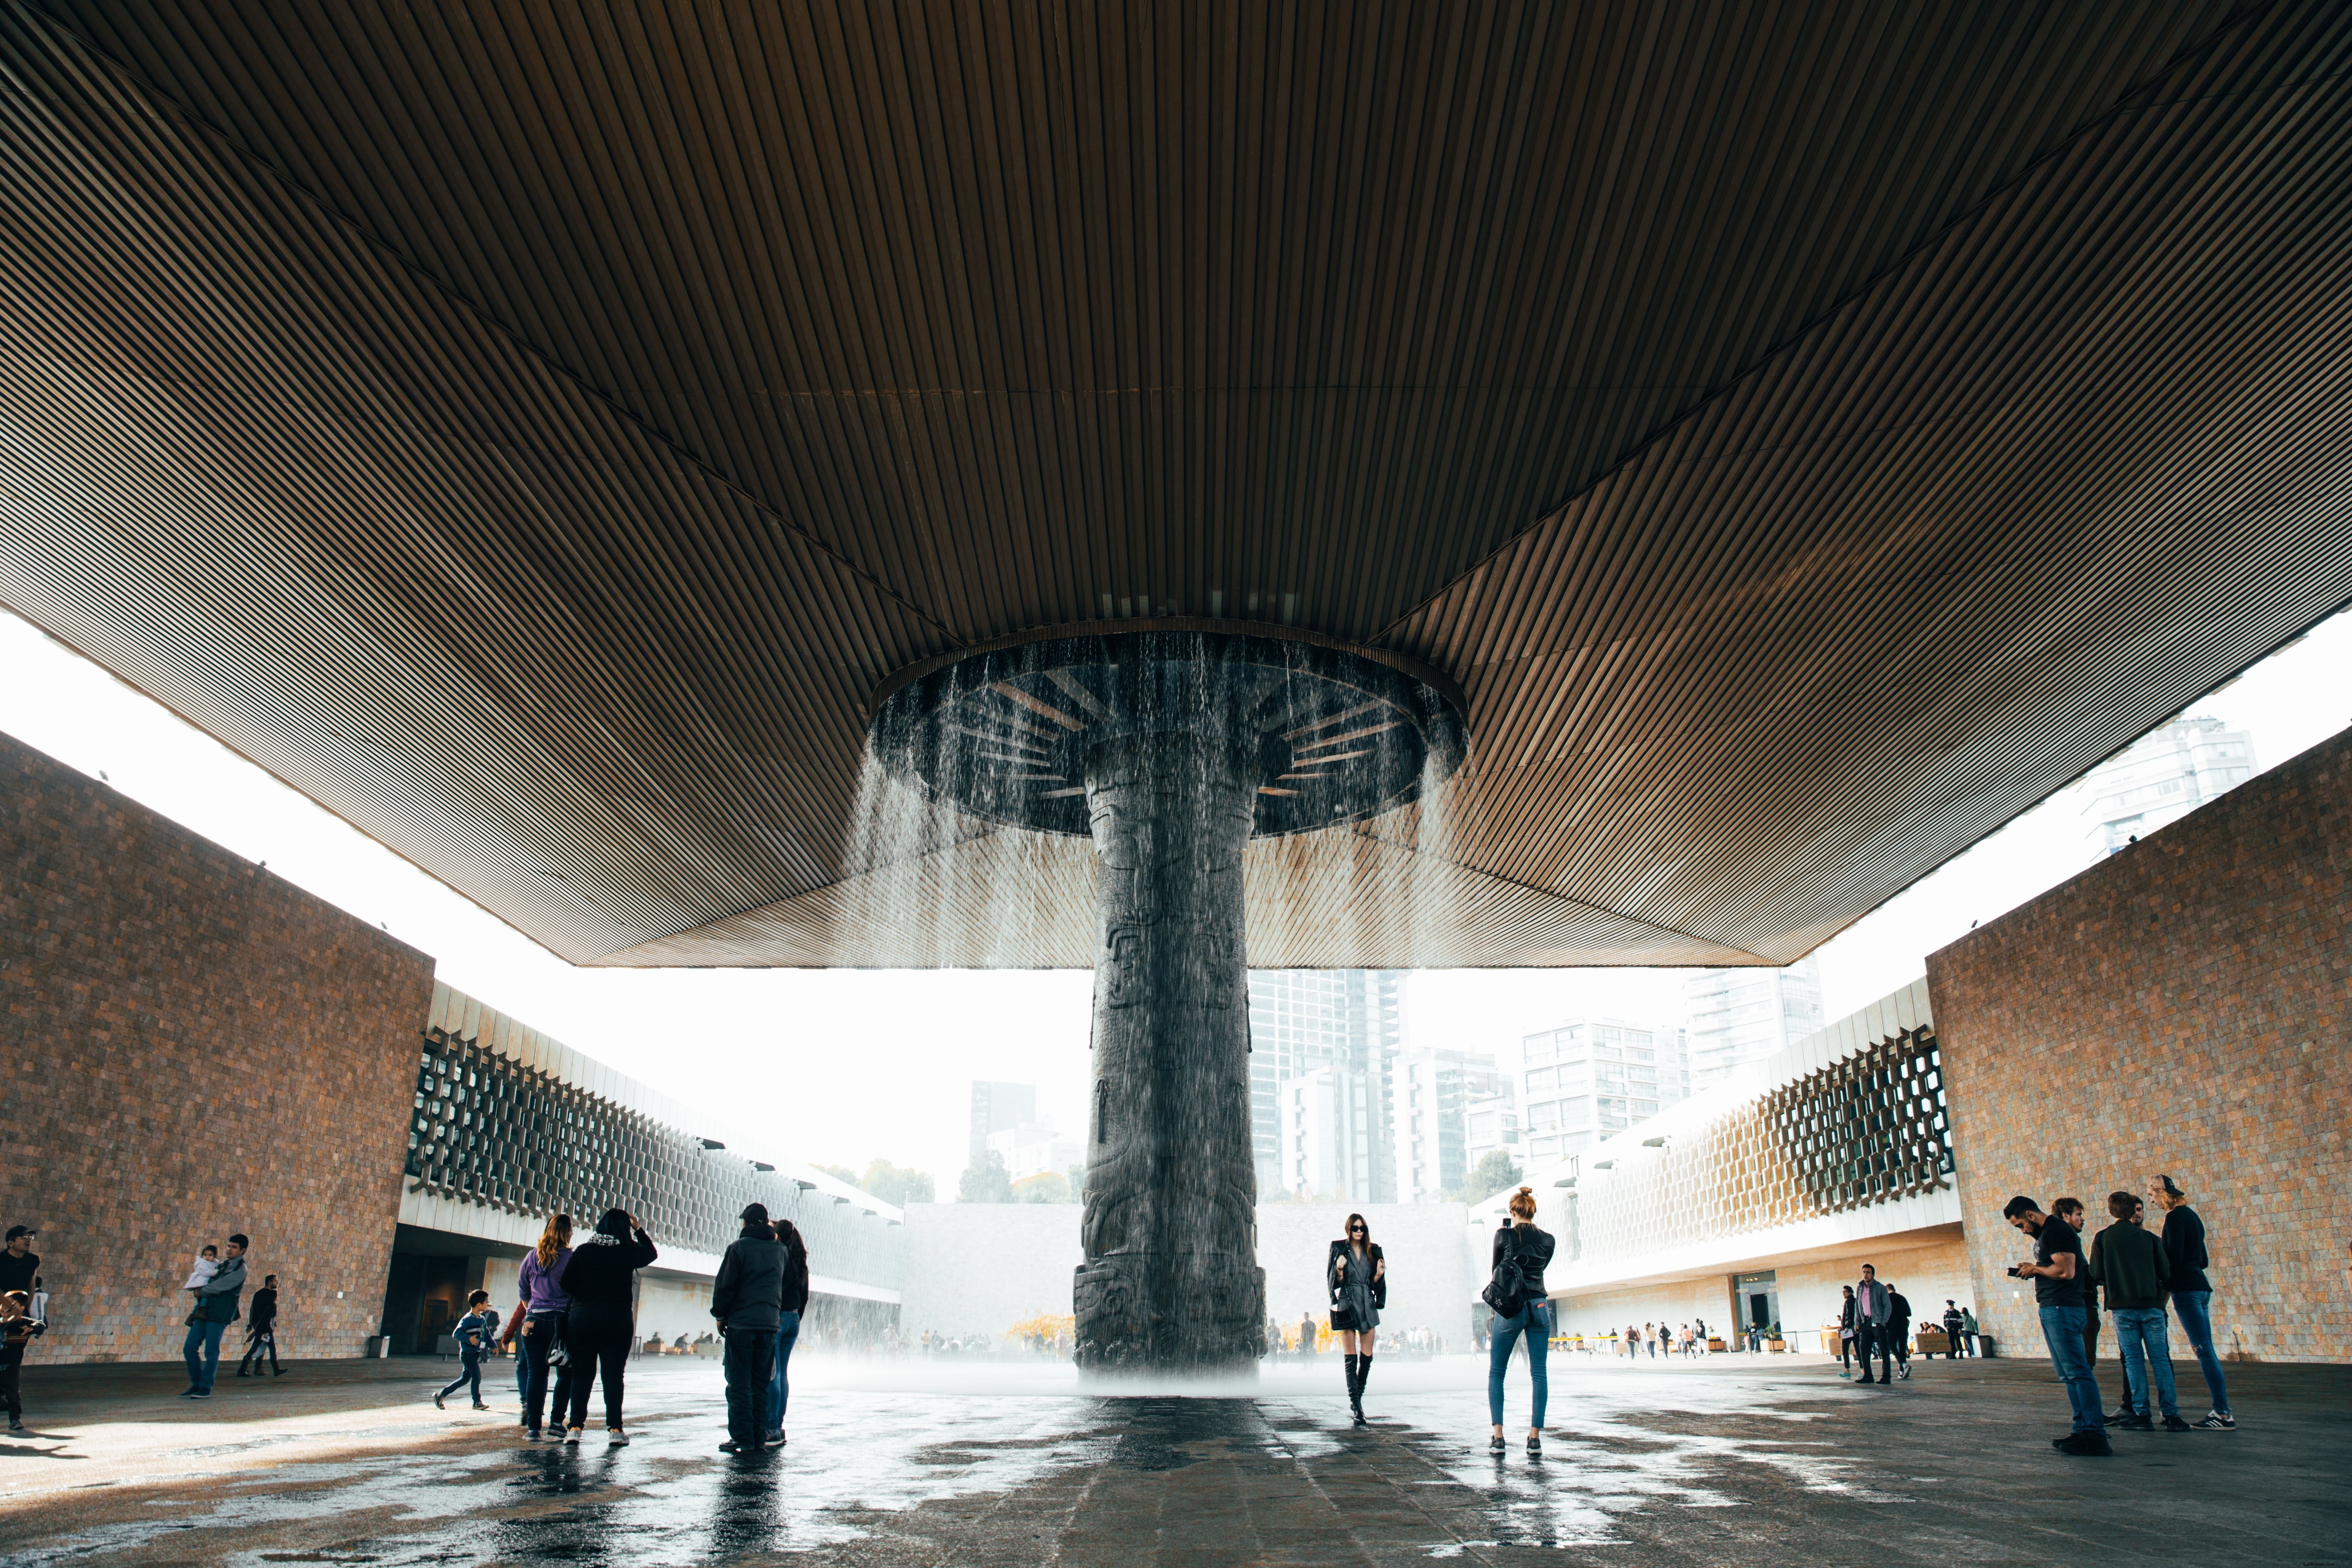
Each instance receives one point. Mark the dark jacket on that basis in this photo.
(217, 1298)
(2184, 1251)
(1899, 1313)
(16, 1334)
(602, 1266)
(20, 1273)
(1331, 1273)
(796, 1274)
(1535, 1251)
(2131, 1265)
(264, 1309)
(749, 1290)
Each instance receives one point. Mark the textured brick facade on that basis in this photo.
(2180, 1008)
(195, 1048)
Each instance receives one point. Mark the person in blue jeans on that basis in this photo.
(474, 1333)
(215, 1311)
(2192, 1294)
(788, 1323)
(2059, 1274)
(2129, 1264)
(1532, 1322)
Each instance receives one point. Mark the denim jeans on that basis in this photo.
(204, 1338)
(780, 1390)
(2197, 1324)
(2062, 1331)
(469, 1370)
(2139, 1337)
(1534, 1321)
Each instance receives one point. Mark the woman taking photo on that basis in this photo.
(597, 1329)
(543, 1306)
(1530, 1248)
(1358, 1278)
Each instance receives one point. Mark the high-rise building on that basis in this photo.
(1585, 1080)
(2165, 774)
(1434, 1093)
(1741, 1015)
(1490, 1125)
(1332, 1144)
(999, 1107)
(1304, 1020)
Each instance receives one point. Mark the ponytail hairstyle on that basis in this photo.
(1523, 1206)
(555, 1238)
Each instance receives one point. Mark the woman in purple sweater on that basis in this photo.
(544, 1305)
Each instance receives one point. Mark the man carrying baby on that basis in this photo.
(215, 1310)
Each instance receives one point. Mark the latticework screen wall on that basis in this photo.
(1868, 1129)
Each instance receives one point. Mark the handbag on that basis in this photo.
(1343, 1312)
(1506, 1290)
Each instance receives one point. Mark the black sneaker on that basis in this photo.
(730, 1446)
(2084, 1445)
(200, 1393)
(1495, 1444)
(2175, 1424)
(2134, 1423)
(775, 1438)
(2217, 1421)
(2119, 1414)
(1535, 1446)
(437, 1405)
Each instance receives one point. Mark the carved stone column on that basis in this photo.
(1170, 1281)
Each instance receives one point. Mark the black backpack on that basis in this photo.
(1506, 1293)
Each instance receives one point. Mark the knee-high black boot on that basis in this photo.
(1349, 1361)
(1363, 1376)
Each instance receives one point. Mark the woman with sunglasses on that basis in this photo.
(1358, 1277)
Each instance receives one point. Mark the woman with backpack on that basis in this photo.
(1358, 1277)
(1522, 1308)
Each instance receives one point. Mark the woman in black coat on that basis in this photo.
(1359, 1279)
(601, 1280)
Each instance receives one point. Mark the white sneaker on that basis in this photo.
(617, 1437)
(572, 1436)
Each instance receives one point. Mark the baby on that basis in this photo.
(207, 1265)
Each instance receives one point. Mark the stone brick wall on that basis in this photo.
(2180, 1008)
(195, 1048)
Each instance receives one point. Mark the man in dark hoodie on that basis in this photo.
(747, 1299)
(2131, 1265)
(215, 1311)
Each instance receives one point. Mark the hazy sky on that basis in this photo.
(846, 1065)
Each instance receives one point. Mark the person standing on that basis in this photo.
(1898, 1328)
(18, 1329)
(601, 1280)
(2057, 1270)
(1873, 1309)
(261, 1331)
(1846, 1332)
(1529, 1250)
(472, 1335)
(788, 1323)
(1307, 1336)
(2129, 1264)
(1952, 1323)
(746, 1298)
(545, 1305)
(1355, 1274)
(2192, 1294)
(215, 1310)
(2071, 1211)
(1969, 1328)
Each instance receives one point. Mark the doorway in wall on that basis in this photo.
(1755, 1303)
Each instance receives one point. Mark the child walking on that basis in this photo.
(474, 1333)
(17, 1329)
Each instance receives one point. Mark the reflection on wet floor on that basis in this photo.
(855, 1458)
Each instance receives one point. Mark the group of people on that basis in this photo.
(1690, 1340)
(2140, 1271)
(575, 1324)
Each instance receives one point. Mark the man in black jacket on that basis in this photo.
(2132, 1266)
(747, 1300)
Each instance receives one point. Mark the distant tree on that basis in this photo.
(897, 1183)
(1489, 1176)
(985, 1181)
(1045, 1187)
(840, 1173)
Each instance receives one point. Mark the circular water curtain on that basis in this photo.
(1170, 749)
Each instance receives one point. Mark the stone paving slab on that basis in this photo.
(1723, 1462)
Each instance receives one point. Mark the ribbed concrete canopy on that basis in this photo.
(1806, 434)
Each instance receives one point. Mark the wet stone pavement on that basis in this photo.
(1719, 1462)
